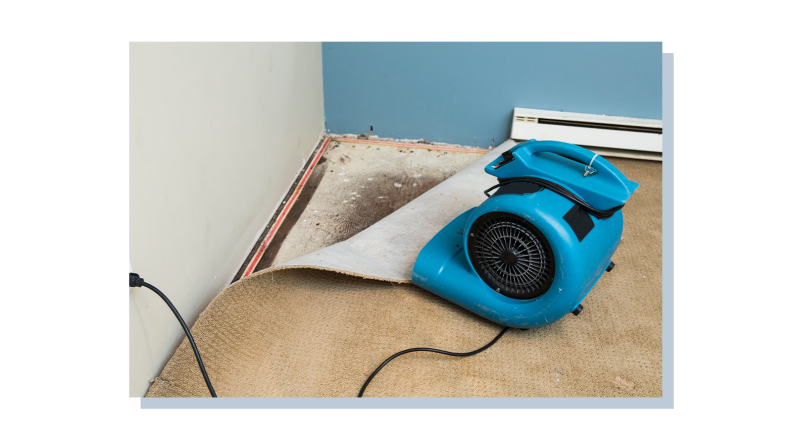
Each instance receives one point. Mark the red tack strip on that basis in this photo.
(285, 211)
(417, 146)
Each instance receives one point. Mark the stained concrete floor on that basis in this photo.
(353, 186)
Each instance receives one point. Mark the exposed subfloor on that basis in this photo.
(353, 186)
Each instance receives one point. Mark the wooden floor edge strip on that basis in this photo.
(408, 145)
(285, 211)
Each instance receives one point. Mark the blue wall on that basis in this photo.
(464, 93)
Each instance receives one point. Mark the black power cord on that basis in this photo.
(137, 281)
(560, 190)
(432, 350)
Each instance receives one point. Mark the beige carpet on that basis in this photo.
(312, 333)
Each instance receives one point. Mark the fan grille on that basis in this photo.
(511, 255)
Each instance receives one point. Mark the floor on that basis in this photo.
(312, 333)
(354, 184)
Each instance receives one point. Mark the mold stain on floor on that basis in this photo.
(354, 185)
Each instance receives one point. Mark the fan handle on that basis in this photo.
(577, 153)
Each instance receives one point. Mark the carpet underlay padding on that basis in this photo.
(298, 330)
(388, 249)
(355, 185)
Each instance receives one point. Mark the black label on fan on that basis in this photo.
(518, 188)
(580, 222)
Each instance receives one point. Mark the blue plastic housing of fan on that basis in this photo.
(444, 266)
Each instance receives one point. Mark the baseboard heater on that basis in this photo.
(606, 135)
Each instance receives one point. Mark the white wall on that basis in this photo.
(217, 132)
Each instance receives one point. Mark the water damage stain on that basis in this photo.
(333, 207)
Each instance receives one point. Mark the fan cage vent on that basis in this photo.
(511, 255)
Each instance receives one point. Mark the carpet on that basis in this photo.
(299, 331)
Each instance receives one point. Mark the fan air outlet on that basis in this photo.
(511, 255)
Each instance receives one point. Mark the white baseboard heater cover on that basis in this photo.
(606, 135)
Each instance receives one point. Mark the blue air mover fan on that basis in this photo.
(533, 250)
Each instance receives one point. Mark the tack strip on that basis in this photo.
(416, 146)
(285, 211)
